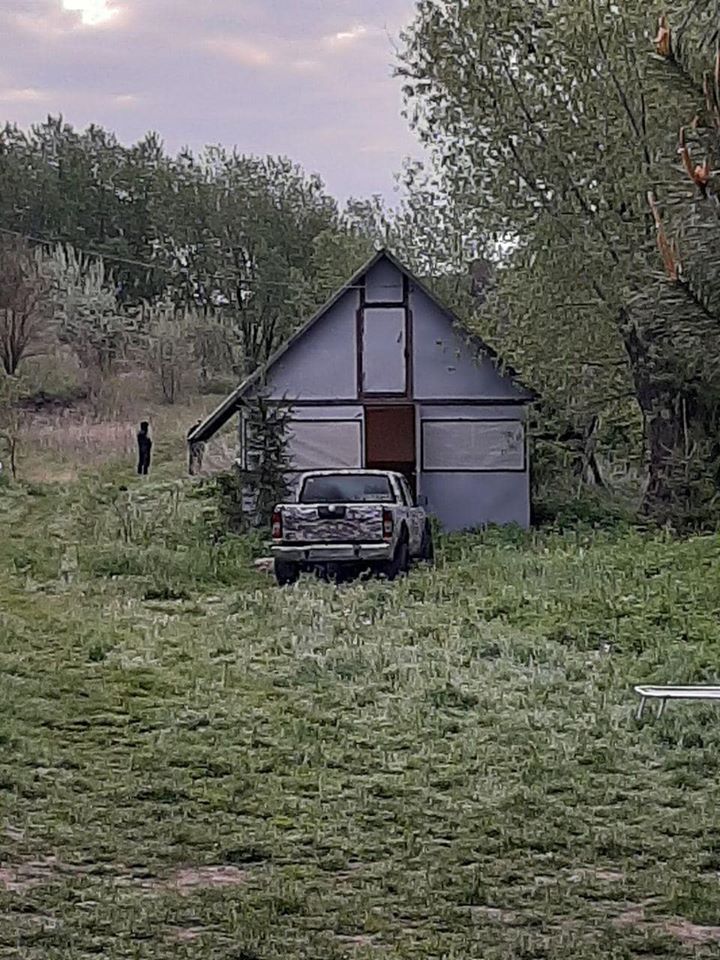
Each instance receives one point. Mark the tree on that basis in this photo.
(88, 316)
(550, 124)
(24, 313)
(169, 355)
(12, 422)
(247, 495)
(264, 473)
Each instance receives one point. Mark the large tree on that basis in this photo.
(25, 316)
(555, 125)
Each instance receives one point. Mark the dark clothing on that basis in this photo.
(196, 452)
(144, 449)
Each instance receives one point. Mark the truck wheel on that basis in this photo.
(400, 563)
(286, 572)
(427, 547)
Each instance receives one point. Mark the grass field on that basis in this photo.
(196, 764)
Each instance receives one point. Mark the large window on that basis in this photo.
(324, 444)
(384, 362)
(473, 445)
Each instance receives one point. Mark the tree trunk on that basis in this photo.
(673, 429)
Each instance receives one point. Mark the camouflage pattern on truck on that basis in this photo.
(362, 523)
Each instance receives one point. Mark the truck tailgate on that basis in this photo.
(332, 523)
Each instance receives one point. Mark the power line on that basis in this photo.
(149, 265)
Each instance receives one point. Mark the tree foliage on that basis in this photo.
(25, 318)
(252, 245)
(552, 124)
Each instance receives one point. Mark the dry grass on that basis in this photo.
(60, 443)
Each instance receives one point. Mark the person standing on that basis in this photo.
(144, 448)
(195, 451)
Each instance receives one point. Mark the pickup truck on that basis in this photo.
(343, 521)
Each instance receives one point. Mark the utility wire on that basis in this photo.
(149, 265)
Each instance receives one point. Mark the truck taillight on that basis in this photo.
(387, 524)
(277, 525)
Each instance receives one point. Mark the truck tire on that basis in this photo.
(400, 563)
(286, 572)
(427, 547)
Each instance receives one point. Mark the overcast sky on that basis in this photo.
(311, 79)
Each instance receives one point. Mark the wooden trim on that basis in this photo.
(384, 304)
(409, 340)
(359, 337)
(404, 304)
(478, 470)
(380, 401)
(467, 402)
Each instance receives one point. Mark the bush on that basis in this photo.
(591, 509)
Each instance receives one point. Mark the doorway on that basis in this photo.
(390, 440)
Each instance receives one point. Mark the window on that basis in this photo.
(407, 495)
(473, 445)
(347, 488)
(324, 444)
(383, 351)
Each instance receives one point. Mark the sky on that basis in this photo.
(310, 79)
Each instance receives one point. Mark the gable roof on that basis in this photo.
(221, 414)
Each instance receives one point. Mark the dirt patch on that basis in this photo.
(14, 833)
(691, 933)
(633, 917)
(35, 873)
(359, 940)
(13, 880)
(187, 934)
(496, 914)
(190, 878)
(685, 931)
(187, 879)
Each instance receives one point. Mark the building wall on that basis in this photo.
(466, 499)
(384, 284)
(444, 365)
(322, 364)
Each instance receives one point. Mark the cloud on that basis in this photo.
(347, 36)
(22, 95)
(247, 54)
(93, 13)
(305, 78)
(126, 100)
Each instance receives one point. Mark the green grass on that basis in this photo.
(195, 764)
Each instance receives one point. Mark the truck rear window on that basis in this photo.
(346, 488)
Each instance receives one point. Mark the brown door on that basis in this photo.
(390, 440)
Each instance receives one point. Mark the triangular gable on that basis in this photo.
(230, 405)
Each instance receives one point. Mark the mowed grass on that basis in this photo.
(196, 764)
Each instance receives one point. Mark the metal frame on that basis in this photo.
(516, 470)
